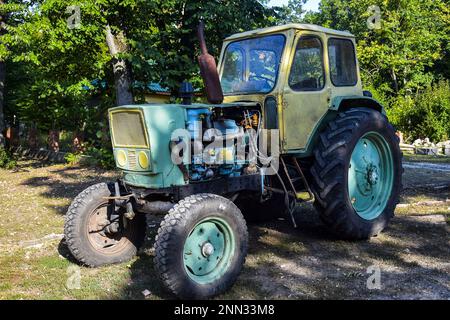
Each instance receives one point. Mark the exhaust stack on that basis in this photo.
(208, 70)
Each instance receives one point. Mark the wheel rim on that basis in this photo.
(208, 250)
(370, 176)
(100, 240)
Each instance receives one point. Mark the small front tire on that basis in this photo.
(84, 229)
(201, 246)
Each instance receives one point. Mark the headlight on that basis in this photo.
(143, 160)
(121, 158)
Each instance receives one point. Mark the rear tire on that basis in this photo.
(357, 172)
(87, 211)
(201, 246)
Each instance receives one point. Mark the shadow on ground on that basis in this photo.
(307, 263)
(64, 182)
(412, 255)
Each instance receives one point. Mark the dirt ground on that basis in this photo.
(412, 256)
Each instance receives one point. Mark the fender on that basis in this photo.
(338, 104)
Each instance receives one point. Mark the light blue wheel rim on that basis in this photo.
(208, 250)
(370, 176)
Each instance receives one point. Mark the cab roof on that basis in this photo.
(296, 26)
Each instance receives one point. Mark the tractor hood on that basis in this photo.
(141, 136)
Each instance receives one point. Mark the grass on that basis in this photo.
(426, 158)
(283, 263)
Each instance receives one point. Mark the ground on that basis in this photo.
(412, 255)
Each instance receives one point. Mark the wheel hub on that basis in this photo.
(372, 175)
(207, 249)
(99, 232)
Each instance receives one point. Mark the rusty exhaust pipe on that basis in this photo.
(208, 70)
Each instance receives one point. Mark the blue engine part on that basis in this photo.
(226, 126)
(203, 171)
(194, 118)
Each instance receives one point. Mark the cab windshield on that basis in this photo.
(251, 66)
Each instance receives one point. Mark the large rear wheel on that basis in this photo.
(357, 173)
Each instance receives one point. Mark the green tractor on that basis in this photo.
(287, 122)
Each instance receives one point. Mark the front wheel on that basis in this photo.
(86, 226)
(357, 173)
(201, 246)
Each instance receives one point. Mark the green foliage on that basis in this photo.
(49, 64)
(425, 116)
(101, 157)
(398, 58)
(73, 158)
(92, 157)
(7, 160)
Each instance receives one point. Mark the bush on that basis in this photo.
(102, 157)
(93, 157)
(7, 160)
(73, 158)
(427, 115)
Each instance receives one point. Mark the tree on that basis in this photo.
(54, 69)
(406, 47)
(3, 15)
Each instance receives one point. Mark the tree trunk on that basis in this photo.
(78, 138)
(394, 79)
(53, 140)
(33, 138)
(122, 75)
(2, 100)
(2, 85)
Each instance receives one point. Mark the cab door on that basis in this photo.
(307, 92)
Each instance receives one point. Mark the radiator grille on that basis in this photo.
(132, 163)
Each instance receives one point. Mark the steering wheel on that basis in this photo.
(271, 82)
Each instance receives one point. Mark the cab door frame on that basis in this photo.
(302, 111)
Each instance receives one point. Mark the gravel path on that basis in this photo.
(441, 167)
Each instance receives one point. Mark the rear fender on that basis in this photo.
(341, 103)
(338, 104)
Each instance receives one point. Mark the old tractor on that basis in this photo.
(287, 122)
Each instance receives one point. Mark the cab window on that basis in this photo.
(341, 53)
(307, 71)
(234, 61)
(252, 65)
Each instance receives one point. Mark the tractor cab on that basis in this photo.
(295, 71)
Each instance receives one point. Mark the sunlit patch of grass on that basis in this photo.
(426, 158)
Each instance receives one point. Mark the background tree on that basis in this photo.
(2, 76)
(66, 78)
(403, 59)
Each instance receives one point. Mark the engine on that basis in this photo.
(221, 142)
